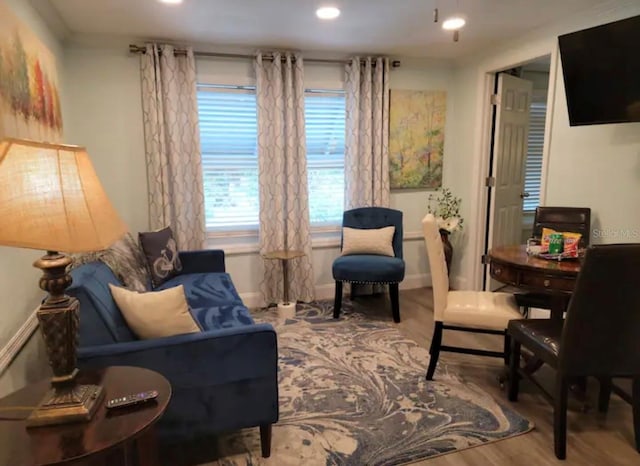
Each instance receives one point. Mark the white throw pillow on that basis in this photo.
(155, 314)
(368, 241)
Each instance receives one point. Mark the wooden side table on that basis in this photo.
(109, 433)
(284, 256)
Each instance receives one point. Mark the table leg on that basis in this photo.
(147, 449)
(559, 304)
(285, 278)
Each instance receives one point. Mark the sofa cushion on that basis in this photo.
(216, 317)
(366, 268)
(100, 319)
(204, 290)
(155, 314)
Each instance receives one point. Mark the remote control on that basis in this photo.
(130, 400)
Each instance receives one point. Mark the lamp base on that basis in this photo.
(69, 404)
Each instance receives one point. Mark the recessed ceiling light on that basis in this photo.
(327, 12)
(453, 23)
(171, 2)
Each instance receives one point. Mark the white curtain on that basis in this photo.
(284, 200)
(172, 144)
(367, 133)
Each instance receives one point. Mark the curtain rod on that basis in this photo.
(138, 49)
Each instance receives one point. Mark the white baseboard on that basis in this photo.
(13, 347)
(326, 291)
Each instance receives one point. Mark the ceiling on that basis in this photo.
(393, 27)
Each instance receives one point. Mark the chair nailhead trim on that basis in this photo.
(368, 283)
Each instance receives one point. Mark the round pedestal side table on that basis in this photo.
(285, 308)
(110, 437)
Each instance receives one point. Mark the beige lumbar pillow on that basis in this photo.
(155, 314)
(368, 241)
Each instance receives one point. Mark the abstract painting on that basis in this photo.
(416, 138)
(29, 96)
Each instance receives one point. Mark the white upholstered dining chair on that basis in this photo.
(465, 311)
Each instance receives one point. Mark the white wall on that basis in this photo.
(595, 166)
(105, 115)
(18, 278)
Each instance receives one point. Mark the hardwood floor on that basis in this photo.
(593, 438)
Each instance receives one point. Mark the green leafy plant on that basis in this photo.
(445, 207)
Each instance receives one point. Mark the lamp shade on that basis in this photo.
(52, 199)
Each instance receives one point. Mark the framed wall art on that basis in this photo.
(416, 138)
(29, 92)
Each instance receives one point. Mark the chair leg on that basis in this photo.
(514, 365)
(265, 439)
(352, 293)
(395, 301)
(337, 302)
(434, 351)
(507, 348)
(635, 393)
(560, 417)
(605, 394)
(525, 311)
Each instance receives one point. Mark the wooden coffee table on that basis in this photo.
(109, 438)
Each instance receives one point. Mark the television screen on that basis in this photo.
(601, 68)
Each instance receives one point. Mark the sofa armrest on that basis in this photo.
(195, 359)
(205, 261)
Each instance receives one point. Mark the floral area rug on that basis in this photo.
(353, 392)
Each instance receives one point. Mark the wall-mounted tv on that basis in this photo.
(601, 68)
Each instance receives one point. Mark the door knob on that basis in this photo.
(525, 194)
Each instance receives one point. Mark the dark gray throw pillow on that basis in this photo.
(161, 252)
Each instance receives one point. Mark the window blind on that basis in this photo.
(325, 128)
(228, 139)
(533, 167)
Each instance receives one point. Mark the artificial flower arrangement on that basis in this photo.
(446, 210)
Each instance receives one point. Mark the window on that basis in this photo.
(228, 139)
(533, 168)
(325, 128)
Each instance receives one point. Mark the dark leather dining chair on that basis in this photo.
(599, 337)
(569, 219)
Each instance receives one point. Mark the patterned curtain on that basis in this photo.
(172, 144)
(367, 133)
(284, 201)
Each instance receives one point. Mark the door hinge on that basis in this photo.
(490, 181)
(485, 259)
(495, 99)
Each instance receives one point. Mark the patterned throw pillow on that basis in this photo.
(161, 251)
(126, 261)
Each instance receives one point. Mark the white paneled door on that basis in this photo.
(510, 153)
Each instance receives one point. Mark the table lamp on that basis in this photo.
(52, 199)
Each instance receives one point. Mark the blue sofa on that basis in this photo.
(223, 378)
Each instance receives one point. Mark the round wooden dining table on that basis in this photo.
(512, 265)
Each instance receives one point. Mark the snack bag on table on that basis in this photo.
(571, 242)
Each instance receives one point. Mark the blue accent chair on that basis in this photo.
(369, 268)
(223, 378)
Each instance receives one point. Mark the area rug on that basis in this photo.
(353, 392)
